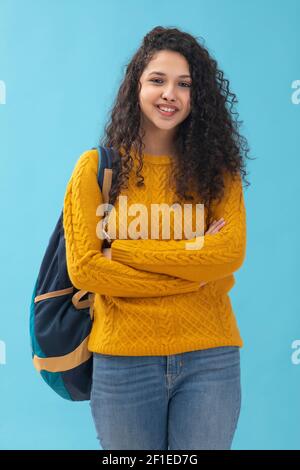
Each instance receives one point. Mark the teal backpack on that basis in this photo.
(61, 316)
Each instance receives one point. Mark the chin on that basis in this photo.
(164, 125)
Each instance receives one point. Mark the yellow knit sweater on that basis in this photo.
(148, 297)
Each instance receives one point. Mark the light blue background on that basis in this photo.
(62, 62)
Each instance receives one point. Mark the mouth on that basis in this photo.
(166, 113)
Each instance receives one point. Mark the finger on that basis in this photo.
(212, 226)
(215, 223)
(220, 221)
(220, 224)
(218, 227)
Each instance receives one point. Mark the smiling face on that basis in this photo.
(166, 81)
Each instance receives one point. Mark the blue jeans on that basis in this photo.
(183, 401)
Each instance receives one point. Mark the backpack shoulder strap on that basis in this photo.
(104, 161)
(107, 156)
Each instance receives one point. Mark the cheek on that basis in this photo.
(188, 105)
(188, 100)
(149, 96)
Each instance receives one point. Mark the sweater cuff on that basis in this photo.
(121, 252)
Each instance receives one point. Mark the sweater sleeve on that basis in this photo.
(88, 269)
(211, 257)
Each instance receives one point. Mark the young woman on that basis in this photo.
(165, 339)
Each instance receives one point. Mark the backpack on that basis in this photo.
(61, 316)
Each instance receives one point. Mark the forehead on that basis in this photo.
(169, 63)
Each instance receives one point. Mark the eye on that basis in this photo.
(188, 85)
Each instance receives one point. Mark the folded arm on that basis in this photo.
(214, 257)
(88, 269)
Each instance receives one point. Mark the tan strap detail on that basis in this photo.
(92, 298)
(62, 363)
(89, 303)
(55, 293)
(107, 180)
(84, 303)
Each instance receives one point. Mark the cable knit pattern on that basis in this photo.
(219, 256)
(148, 297)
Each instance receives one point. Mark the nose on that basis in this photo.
(169, 94)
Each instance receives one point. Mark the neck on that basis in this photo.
(158, 141)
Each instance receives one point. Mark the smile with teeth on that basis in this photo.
(166, 111)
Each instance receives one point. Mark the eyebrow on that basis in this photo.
(163, 74)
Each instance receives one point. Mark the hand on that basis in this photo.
(215, 226)
(202, 283)
(107, 253)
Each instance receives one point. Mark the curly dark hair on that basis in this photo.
(207, 142)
